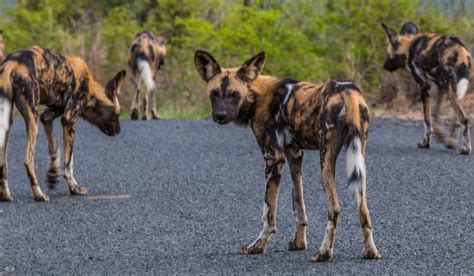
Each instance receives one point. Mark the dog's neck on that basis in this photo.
(259, 92)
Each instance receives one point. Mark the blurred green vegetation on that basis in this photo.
(307, 40)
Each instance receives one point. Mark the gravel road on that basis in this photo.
(184, 196)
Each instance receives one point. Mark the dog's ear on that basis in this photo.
(206, 65)
(409, 28)
(391, 34)
(250, 70)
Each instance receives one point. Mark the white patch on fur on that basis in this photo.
(146, 74)
(355, 162)
(5, 111)
(343, 82)
(280, 139)
(461, 88)
(69, 173)
(289, 88)
(329, 126)
(267, 230)
(342, 112)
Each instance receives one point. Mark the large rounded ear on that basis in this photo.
(391, 34)
(409, 28)
(113, 86)
(206, 65)
(250, 70)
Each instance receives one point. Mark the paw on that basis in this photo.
(134, 114)
(53, 176)
(41, 197)
(144, 117)
(322, 256)
(466, 149)
(155, 116)
(297, 244)
(6, 198)
(424, 144)
(450, 143)
(256, 247)
(78, 190)
(371, 253)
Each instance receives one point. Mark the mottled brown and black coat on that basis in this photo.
(65, 86)
(288, 117)
(441, 65)
(145, 57)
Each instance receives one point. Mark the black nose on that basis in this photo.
(220, 116)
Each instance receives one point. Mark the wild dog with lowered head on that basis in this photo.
(438, 61)
(288, 117)
(145, 58)
(65, 85)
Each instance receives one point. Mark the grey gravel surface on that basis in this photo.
(184, 196)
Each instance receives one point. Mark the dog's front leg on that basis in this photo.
(69, 129)
(274, 164)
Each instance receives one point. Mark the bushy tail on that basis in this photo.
(146, 74)
(6, 104)
(355, 159)
(355, 165)
(462, 84)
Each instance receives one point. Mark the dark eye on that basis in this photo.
(214, 93)
(235, 94)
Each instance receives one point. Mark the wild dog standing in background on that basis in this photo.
(145, 58)
(435, 61)
(38, 76)
(288, 117)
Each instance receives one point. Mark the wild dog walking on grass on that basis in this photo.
(287, 117)
(38, 76)
(145, 58)
(435, 61)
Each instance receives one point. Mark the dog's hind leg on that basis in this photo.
(274, 164)
(54, 172)
(135, 110)
(425, 98)
(154, 112)
(331, 146)
(6, 109)
(32, 127)
(295, 162)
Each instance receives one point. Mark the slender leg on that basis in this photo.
(274, 164)
(295, 161)
(135, 103)
(54, 172)
(330, 149)
(466, 146)
(146, 108)
(32, 126)
(5, 126)
(69, 129)
(426, 141)
(154, 112)
(369, 250)
(455, 126)
(438, 122)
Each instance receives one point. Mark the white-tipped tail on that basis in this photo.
(355, 164)
(146, 74)
(461, 88)
(5, 112)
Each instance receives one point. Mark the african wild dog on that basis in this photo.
(38, 76)
(287, 117)
(145, 58)
(435, 61)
